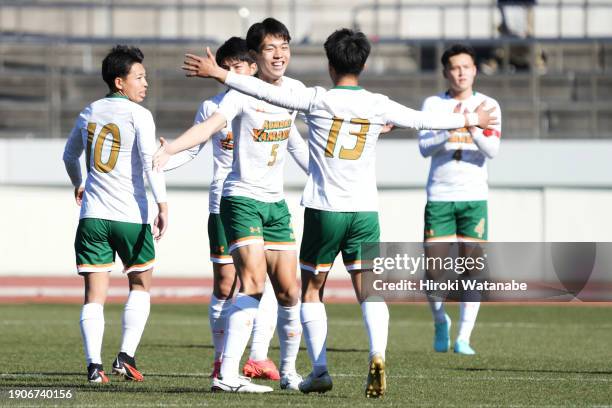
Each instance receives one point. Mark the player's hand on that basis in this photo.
(471, 129)
(486, 119)
(161, 221)
(387, 128)
(78, 195)
(203, 67)
(161, 156)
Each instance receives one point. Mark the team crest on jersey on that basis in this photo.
(228, 142)
(460, 136)
(273, 131)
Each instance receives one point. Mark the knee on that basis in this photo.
(251, 285)
(224, 288)
(288, 296)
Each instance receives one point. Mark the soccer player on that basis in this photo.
(457, 189)
(340, 195)
(234, 56)
(254, 214)
(118, 137)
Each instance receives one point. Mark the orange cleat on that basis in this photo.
(264, 369)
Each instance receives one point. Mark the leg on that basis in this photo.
(281, 268)
(258, 364)
(251, 268)
(224, 284)
(314, 319)
(92, 315)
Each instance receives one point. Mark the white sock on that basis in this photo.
(437, 308)
(314, 322)
(239, 327)
(218, 310)
(135, 317)
(289, 336)
(92, 330)
(265, 323)
(468, 311)
(376, 319)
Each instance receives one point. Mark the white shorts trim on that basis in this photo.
(140, 268)
(93, 268)
(245, 242)
(223, 261)
(316, 269)
(280, 247)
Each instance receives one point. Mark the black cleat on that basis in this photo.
(95, 374)
(126, 366)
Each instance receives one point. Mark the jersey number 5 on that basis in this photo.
(347, 154)
(109, 165)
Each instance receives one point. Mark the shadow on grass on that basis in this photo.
(208, 346)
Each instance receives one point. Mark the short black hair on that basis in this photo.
(118, 62)
(347, 51)
(258, 31)
(457, 49)
(234, 49)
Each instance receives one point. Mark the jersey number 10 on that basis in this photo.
(99, 165)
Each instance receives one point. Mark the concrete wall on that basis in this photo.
(541, 191)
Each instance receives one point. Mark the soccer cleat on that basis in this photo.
(95, 374)
(442, 335)
(216, 369)
(238, 384)
(320, 384)
(126, 366)
(291, 381)
(376, 384)
(263, 369)
(463, 347)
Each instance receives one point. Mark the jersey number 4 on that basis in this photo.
(99, 165)
(347, 154)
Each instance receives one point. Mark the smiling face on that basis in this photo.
(273, 57)
(134, 85)
(460, 73)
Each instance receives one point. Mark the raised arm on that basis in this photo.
(298, 149)
(184, 157)
(302, 99)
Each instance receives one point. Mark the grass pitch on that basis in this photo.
(527, 356)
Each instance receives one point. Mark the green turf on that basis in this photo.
(527, 356)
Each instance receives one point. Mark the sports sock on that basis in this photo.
(314, 322)
(468, 311)
(239, 327)
(437, 308)
(264, 324)
(217, 318)
(92, 331)
(135, 317)
(376, 319)
(289, 336)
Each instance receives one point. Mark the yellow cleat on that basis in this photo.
(377, 380)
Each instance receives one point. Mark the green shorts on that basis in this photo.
(248, 221)
(219, 250)
(326, 233)
(456, 220)
(97, 240)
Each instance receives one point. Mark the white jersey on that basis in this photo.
(118, 137)
(458, 159)
(344, 124)
(263, 133)
(223, 152)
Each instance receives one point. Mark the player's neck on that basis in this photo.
(270, 80)
(347, 80)
(462, 95)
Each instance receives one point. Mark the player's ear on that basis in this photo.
(253, 68)
(119, 83)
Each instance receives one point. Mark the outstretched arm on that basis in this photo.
(302, 99)
(194, 136)
(430, 141)
(401, 116)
